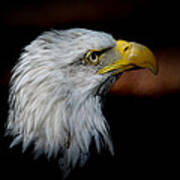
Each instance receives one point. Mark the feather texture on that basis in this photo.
(55, 99)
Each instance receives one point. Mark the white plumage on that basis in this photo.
(55, 96)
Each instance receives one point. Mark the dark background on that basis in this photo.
(144, 129)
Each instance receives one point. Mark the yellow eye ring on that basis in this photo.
(92, 57)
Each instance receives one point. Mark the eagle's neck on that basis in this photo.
(84, 123)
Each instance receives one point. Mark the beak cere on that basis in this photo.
(131, 55)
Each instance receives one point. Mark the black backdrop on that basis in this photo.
(144, 130)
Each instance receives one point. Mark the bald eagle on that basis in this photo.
(56, 92)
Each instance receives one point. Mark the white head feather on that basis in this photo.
(55, 98)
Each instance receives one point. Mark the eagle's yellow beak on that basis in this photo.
(131, 55)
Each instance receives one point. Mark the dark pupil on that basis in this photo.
(93, 56)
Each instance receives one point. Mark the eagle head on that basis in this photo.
(56, 89)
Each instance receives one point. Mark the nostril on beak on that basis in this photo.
(126, 48)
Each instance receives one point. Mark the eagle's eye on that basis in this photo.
(93, 57)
